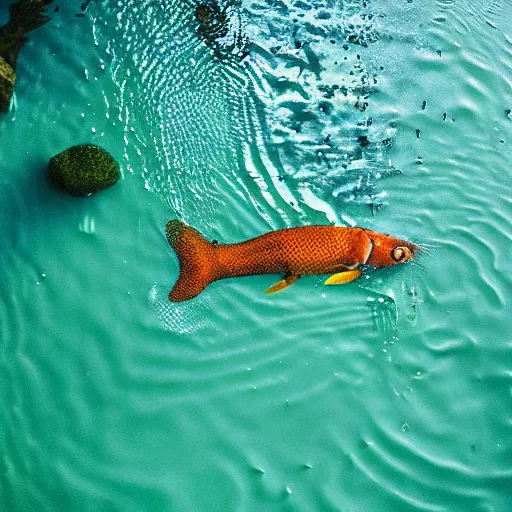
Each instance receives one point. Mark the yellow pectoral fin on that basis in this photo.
(281, 285)
(343, 277)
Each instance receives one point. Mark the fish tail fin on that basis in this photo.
(195, 255)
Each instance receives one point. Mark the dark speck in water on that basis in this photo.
(440, 53)
(375, 207)
(80, 15)
(424, 105)
(444, 116)
(361, 105)
(363, 140)
(418, 133)
(419, 161)
(325, 107)
(508, 113)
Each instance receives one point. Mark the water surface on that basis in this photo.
(390, 394)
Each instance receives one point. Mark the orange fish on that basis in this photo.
(294, 252)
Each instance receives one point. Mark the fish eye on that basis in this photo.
(401, 254)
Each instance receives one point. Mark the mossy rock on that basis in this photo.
(24, 16)
(7, 79)
(83, 170)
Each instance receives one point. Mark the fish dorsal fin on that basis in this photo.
(343, 277)
(287, 280)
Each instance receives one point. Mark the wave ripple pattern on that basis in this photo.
(390, 394)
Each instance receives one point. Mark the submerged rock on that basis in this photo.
(222, 26)
(7, 79)
(24, 16)
(83, 170)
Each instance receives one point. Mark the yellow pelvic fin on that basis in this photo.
(343, 277)
(281, 285)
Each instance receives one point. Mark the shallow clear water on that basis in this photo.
(390, 394)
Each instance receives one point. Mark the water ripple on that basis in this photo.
(391, 393)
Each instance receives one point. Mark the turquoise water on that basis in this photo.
(390, 394)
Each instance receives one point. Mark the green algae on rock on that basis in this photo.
(7, 79)
(83, 170)
(25, 15)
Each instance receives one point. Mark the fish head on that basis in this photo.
(388, 250)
